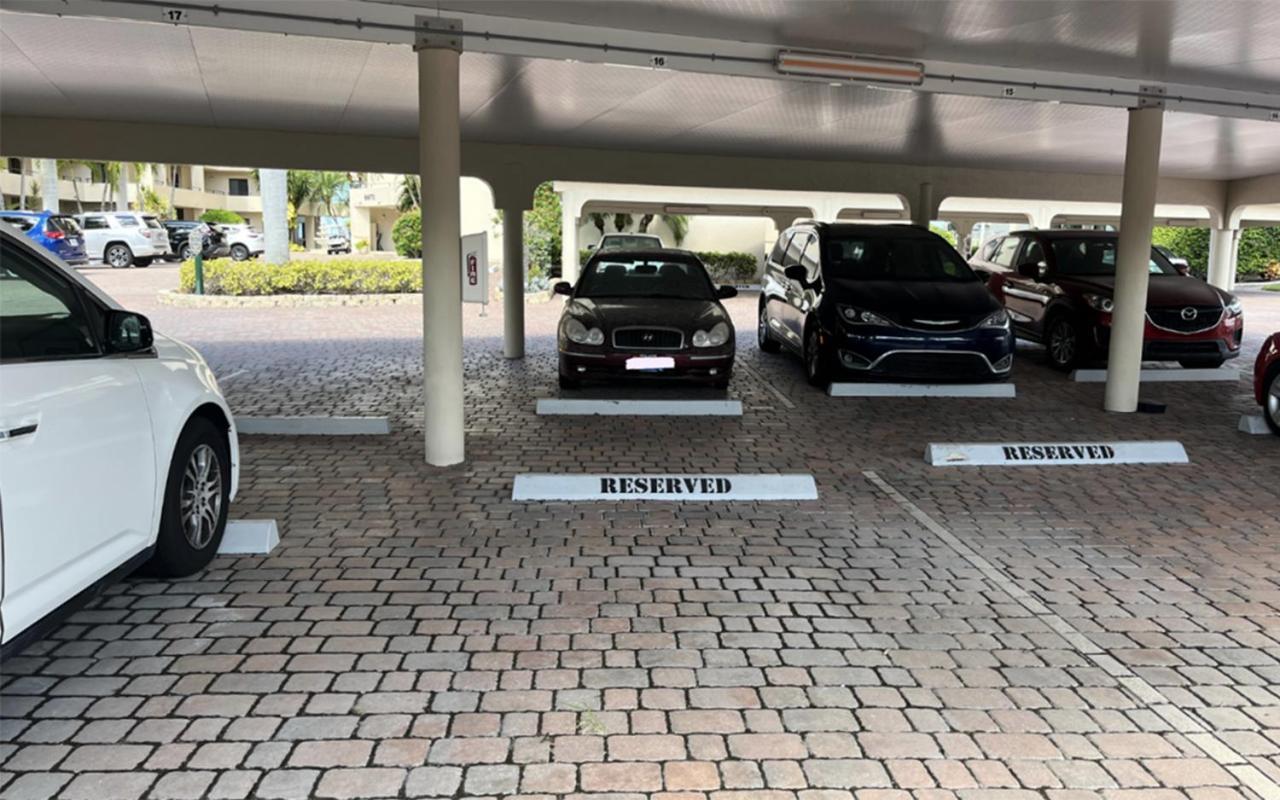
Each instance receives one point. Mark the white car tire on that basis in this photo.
(197, 493)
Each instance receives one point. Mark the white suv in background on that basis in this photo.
(123, 238)
(245, 242)
(117, 450)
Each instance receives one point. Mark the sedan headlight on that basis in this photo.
(717, 336)
(578, 333)
(1234, 309)
(999, 319)
(856, 317)
(1099, 303)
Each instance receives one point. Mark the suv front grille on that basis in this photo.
(1172, 319)
(647, 339)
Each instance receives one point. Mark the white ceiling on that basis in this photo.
(100, 69)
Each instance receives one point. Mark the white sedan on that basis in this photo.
(117, 450)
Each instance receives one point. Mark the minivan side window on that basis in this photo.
(1008, 249)
(794, 249)
(989, 249)
(780, 247)
(41, 313)
(809, 258)
(1033, 252)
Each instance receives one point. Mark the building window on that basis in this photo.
(238, 187)
(14, 165)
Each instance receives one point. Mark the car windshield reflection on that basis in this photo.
(895, 259)
(659, 278)
(1098, 257)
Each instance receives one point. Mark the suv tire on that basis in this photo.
(117, 256)
(764, 337)
(1271, 400)
(197, 493)
(239, 252)
(816, 359)
(1062, 342)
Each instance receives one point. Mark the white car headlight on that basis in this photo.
(578, 333)
(999, 319)
(717, 336)
(1099, 303)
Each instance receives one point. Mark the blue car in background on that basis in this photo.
(60, 234)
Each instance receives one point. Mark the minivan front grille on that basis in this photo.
(648, 339)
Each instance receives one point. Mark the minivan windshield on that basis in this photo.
(670, 278)
(886, 258)
(1086, 256)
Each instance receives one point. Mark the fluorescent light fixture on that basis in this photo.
(848, 67)
(686, 209)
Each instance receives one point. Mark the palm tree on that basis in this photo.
(300, 185)
(410, 193)
(679, 225)
(326, 190)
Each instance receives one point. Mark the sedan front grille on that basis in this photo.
(1186, 319)
(648, 339)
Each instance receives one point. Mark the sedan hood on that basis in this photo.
(939, 305)
(1162, 290)
(610, 313)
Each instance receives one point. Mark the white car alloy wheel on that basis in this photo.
(201, 496)
(118, 256)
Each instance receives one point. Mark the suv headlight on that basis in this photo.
(1099, 303)
(717, 336)
(999, 319)
(855, 317)
(578, 333)
(1234, 309)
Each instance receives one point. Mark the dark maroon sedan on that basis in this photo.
(645, 314)
(1266, 381)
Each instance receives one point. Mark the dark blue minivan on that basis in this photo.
(60, 234)
(891, 302)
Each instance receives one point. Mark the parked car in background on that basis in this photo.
(60, 234)
(124, 238)
(334, 242)
(628, 241)
(880, 301)
(1058, 287)
(1179, 263)
(1266, 381)
(645, 314)
(118, 451)
(243, 241)
(179, 234)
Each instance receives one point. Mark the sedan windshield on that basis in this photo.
(1098, 257)
(677, 279)
(615, 242)
(884, 258)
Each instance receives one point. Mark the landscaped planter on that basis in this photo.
(171, 298)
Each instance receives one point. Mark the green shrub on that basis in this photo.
(330, 276)
(221, 216)
(1190, 243)
(1259, 249)
(407, 234)
(734, 267)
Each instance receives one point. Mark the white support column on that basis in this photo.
(439, 165)
(1137, 213)
(1222, 262)
(49, 184)
(273, 184)
(922, 212)
(1236, 236)
(513, 282)
(568, 241)
(122, 187)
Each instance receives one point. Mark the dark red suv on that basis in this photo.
(1057, 287)
(1266, 381)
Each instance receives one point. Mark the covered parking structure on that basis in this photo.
(669, 101)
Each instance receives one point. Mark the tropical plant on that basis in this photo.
(300, 185)
(621, 221)
(407, 234)
(643, 225)
(328, 189)
(221, 216)
(678, 225)
(410, 193)
(151, 202)
(542, 228)
(598, 220)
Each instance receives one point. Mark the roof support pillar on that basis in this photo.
(49, 184)
(568, 241)
(1137, 213)
(439, 165)
(922, 213)
(513, 282)
(1222, 257)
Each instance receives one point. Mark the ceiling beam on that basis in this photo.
(398, 24)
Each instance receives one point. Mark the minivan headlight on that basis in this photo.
(1099, 303)
(578, 333)
(855, 317)
(999, 319)
(717, 336)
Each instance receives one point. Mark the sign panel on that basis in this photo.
(475, 268)
(664, 487)
(1019, 454)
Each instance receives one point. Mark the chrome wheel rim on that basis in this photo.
(1062, 343)
(117, 256)
(1273, 400)
(201, 498)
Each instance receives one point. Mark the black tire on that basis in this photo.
(1201, 363)
(816, 359)
(1271, 400)
(117, 256)
(239, 252)
(185, 253)
(180, 549)
(142, 262)
(1063, 343)
(764, 337)
(569, 383)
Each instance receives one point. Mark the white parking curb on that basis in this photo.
(1004, 390)
(1253, 424)
(639, 408)
(312, 426)
(1162, 375)
(249, 537)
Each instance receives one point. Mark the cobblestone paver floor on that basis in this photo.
(1055, 633)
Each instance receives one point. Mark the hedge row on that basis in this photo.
(330, 276)
(732, 267)
(1258, 257)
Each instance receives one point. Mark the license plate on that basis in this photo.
(651, 362)
(73, 242)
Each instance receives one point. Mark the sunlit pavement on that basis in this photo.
(1059, 632)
